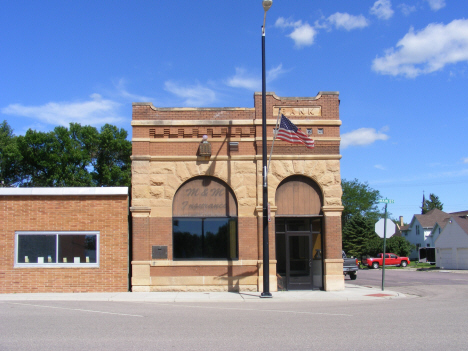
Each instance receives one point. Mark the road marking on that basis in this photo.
(249, 309)
(75, 309)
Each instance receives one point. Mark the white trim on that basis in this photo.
(57, 265)
(78, 191)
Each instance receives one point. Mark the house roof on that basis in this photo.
(460, 213)
(462, 222)
(404, 227)
(429, 219)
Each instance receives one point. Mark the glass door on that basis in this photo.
(299, 261)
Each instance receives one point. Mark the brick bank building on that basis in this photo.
(196, 202)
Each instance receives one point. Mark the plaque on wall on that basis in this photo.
(159, 252)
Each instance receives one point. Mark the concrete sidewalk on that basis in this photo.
(350, 293)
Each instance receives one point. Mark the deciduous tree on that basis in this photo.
(75, 156)
(359, 198)
(10, 156)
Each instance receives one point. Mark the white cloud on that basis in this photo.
(120, 86)
(196, 95)
(436, 5)
(407, 9)
(303, 34)
(382, 9)
(274, 73)
(426, 51)
(242, 79)
(380, 167)
(347, 21)
(285, 23)
(361, 137)
(465, 160)
(96, 111)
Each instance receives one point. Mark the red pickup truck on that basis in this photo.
(390, 260)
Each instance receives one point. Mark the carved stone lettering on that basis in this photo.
(288, 111)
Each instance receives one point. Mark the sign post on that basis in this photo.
(386, 202)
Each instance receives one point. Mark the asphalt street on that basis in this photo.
(432, 316)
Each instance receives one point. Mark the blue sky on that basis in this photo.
(400, 68)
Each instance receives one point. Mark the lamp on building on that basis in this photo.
(266, 254)
(205, 147)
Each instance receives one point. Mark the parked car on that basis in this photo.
(350, 266)
(390, 260)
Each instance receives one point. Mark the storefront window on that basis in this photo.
(52, 249)
(205, 238)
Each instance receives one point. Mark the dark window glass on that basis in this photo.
(280, 225)
(281, 254)
(205, 238)
(77, 249)
(317, 225)
(36, 248)
(299, 225)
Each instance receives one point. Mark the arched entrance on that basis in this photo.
(298, 234)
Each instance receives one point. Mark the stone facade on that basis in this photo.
(166, 144)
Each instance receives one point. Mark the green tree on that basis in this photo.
(359, 198)
(58, 158)
(432, 203)
(10, 157)
(395, 244)
(75, 156)
(357, 233)
(399, 245)
(112, 164)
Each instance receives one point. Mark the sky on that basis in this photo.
(401, 68)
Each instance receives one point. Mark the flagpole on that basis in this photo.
(266, 254)
(274, 138)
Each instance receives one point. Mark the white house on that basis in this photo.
(452, 244)
(420, 231)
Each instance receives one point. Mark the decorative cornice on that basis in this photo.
(199, 140)
(333, 209)
(169, 109)
(319, 95)
(236, 122)
(235, 158)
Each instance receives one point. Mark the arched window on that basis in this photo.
(204, 223)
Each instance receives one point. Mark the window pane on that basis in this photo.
(298, 225)
(36, 248)
(188, 239)
(208, 238)
(77, 249)
(317, 225)
(280, 225)
(220, 238)
(280, 254)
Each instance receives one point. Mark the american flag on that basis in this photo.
(289, 132)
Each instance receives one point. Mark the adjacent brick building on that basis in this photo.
(64, 240)
(197, 201)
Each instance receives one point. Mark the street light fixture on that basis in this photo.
(266, 254)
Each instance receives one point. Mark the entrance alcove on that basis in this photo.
(298, 234)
